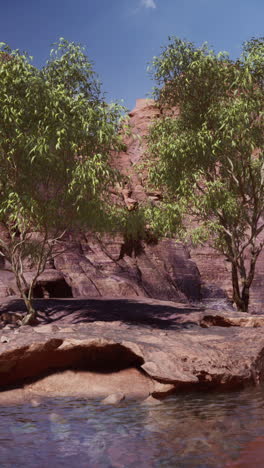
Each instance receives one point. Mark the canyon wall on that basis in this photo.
(95, 266)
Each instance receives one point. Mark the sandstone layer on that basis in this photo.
(94, 348)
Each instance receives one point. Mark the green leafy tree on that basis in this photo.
(56, 135)
(208, 152)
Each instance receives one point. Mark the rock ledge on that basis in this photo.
(138, 356)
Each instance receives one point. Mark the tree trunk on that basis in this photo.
(240, 299)
(31, 317)
(245, 298)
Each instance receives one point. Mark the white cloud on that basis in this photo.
(149, 3)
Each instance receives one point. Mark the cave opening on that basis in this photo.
(52, 289)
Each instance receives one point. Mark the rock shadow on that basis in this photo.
(148, 313)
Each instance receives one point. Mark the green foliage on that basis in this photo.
(210, 158)
(254, 57)
(56, 136)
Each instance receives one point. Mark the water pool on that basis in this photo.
(198, 430)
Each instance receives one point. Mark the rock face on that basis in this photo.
(96, 266)
(104, 268)
(134, 348)
(107, 266)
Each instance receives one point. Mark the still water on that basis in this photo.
(193, 430)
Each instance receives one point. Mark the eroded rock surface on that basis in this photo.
(137, 348)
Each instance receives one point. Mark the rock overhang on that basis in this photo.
(214, 358)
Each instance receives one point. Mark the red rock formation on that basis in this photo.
(106, 266)
(101, 347)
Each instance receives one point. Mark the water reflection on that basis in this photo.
(192, 430)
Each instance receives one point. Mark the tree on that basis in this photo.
(56, 135)
(210, 158)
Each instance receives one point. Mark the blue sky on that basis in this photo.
(122, 36)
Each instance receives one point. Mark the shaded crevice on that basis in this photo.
(131, 247)
(28, 365)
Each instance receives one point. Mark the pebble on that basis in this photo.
(151, 401)
(4, 339)
(113, 399)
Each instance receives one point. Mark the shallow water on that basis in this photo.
(193, 430)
